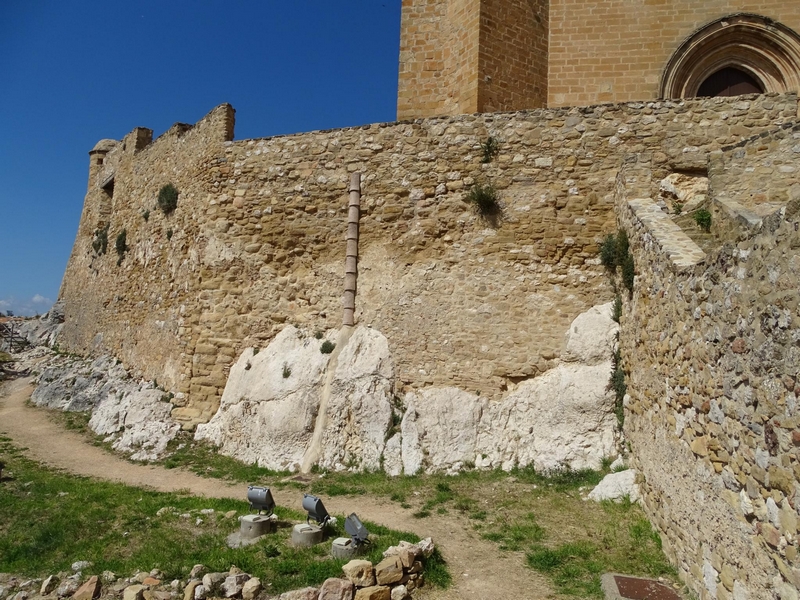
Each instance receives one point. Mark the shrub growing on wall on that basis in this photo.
(168, 198)
(100, 240)
(121, 245)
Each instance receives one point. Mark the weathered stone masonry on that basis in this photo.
(712, 346)
(257, 238)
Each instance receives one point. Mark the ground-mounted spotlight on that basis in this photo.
(356, 530)
(260, 499)
(316, 510)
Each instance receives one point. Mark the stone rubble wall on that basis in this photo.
(257, 240)
(752, 181)
(710, 343)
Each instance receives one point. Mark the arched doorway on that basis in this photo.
(729, 81)
(738, 54)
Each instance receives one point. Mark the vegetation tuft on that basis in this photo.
(485, 200)
(490, 149)
(169, 234)
(618, 385)
(703, 219)
(327, 347)
(168, 198)
(287, 371)
(121, 245)
(616, 309)
(100, 240)
(615, 252)
(146, 215)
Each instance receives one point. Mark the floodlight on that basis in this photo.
(315, 509)
(356, 530)
(260, 499)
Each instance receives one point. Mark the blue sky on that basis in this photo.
(79, 71)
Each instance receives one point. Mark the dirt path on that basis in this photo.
(480, 571)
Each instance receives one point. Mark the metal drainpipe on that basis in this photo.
(351, 259)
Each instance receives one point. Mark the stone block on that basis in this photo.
(251, 588)
(377, 592)
(360, 573)
(89, 590)
(389, 570)
(336, 589)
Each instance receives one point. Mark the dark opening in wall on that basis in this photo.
(729, 82)
(108, 188)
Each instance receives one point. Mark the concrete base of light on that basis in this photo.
(305, 536)
(251, 529)
(344, 548)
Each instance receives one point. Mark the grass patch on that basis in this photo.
(327, 347)
(204, 459)
(49, 519)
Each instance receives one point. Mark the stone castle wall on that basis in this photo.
(257, 240)
(710, 343)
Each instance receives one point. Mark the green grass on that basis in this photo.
(203, 459)
(625, 542)
(49, 519)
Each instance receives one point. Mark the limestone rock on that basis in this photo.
(131, 413)
(259, 403)
(616, 486)
(89, 590)
(336, 589)
(134, 592)
(440, 429)
(189, 590)
(200, 592)
(426, 546)
(251, 588)
(393, 455)
(197, 571)
(233, 584)
(69, 587)
(359, 410)
(564, 418)
(80, 565)
(213, 581)
(400, 593)
(308, 593)
(591, 336)
(139, 420)
(389, 570)
(377, 592)
(48, 585)
(360, 573)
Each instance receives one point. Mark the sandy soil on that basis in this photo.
(480, 571)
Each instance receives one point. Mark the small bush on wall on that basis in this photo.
(485, 200)
(100, 241)
(121, 245)
(168, 198)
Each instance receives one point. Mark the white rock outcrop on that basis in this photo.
(133, 415)
(359, 408)
(563, 418)
(440, 430)
(138, 422)
(269, 407)
(616, 486)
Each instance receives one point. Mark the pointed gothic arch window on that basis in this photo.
(737, 54)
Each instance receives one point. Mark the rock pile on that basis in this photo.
(400, 572)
